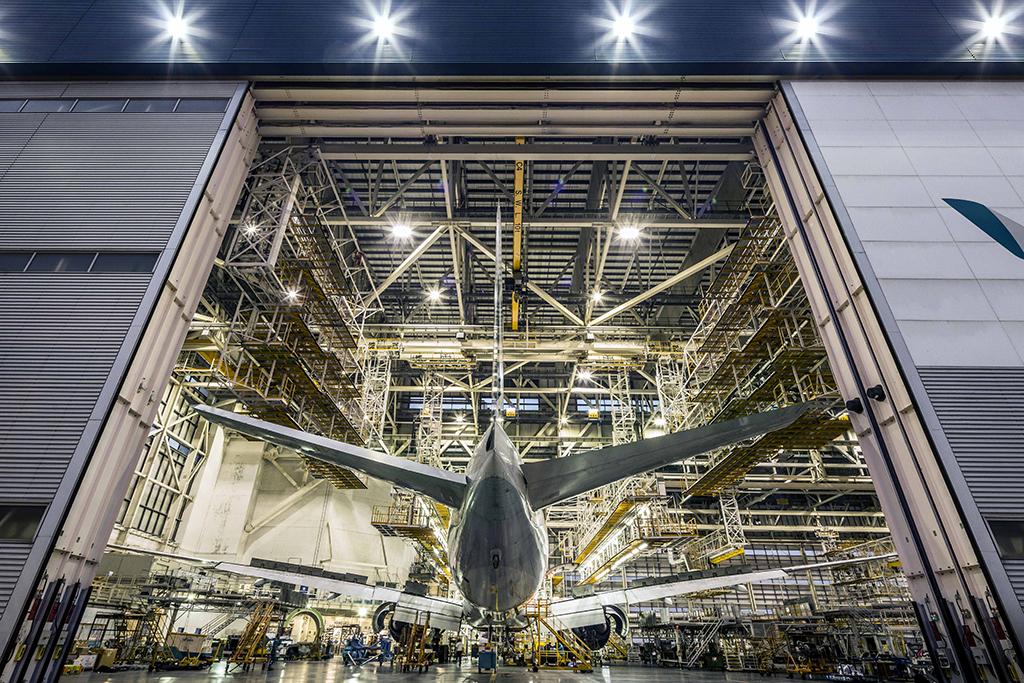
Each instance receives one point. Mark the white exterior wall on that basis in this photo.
(895, 150)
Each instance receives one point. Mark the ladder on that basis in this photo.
(412, 652)
(254, 636)
(617, 647)
(707, 635)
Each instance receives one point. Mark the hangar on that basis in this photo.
(410, 229)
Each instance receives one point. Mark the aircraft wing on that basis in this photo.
(445, 487)
(552, 481)
(409, 608)
(589, 610)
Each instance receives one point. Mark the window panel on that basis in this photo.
(20, 522)
(150, 105)
(124, 262)
(202, 106)
(61, 262)
(1009, 536)
(11, 105)
(14, 261)
(95, 106)
(48, 106)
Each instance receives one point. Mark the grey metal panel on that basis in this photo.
(12, 558)
(96, 181)
(981, 411)
(60, 333)
(1015, 571)
(22, 89)
(15, 132)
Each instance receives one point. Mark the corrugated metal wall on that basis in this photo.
(981, 411)
(83, 182)
(132, 172)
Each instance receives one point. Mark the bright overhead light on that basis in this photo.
(563, 420)
(993, 27)
(460, 418)
(807, 28)
(291, 295)
(659, 421)
(250, 229)
(362, 611)
(401, 231)
(597, 296)
(623, 27)
(629, 232)
(176, 27)
(434, 294)
(584, 375)
(383, 27)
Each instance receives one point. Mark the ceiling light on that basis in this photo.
(362, 611)
(993, 27)
(460, 418)
(176, 27)
(807, 28)
(629, 232)
(623, 27)
(250, 229)
(584, 375)
(401, 231)
(659, 421)
(597, 296)
(383, 27)
(434, 294)
(563, 420)
(291, 295)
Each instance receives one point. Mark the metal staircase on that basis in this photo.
(699, 645)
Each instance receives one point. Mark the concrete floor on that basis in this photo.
(333, 671)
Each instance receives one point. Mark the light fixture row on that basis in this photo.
(623, 27)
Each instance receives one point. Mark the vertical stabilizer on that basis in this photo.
(498, 388)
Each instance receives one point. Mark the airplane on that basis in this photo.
(497, 540)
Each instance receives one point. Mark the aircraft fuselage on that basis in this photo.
(497, 544)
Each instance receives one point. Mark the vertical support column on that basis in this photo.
(374, 396)
(428, 432)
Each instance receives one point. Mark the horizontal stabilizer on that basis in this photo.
(445, 487)
(552, 481)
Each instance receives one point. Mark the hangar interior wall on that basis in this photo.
(98, 186)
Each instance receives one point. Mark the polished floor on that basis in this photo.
(334, 672)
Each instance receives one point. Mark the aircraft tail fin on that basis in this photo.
(443, 486)
(552, 481)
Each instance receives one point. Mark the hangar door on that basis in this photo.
(921, 311)
(113, 201)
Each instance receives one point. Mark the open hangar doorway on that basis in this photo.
(664, 274)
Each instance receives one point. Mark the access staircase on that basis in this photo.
(413, 652)
(250, 645)
(700, 644)
(567, 651)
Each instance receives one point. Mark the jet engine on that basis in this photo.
(383, 619)
(597, 635)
